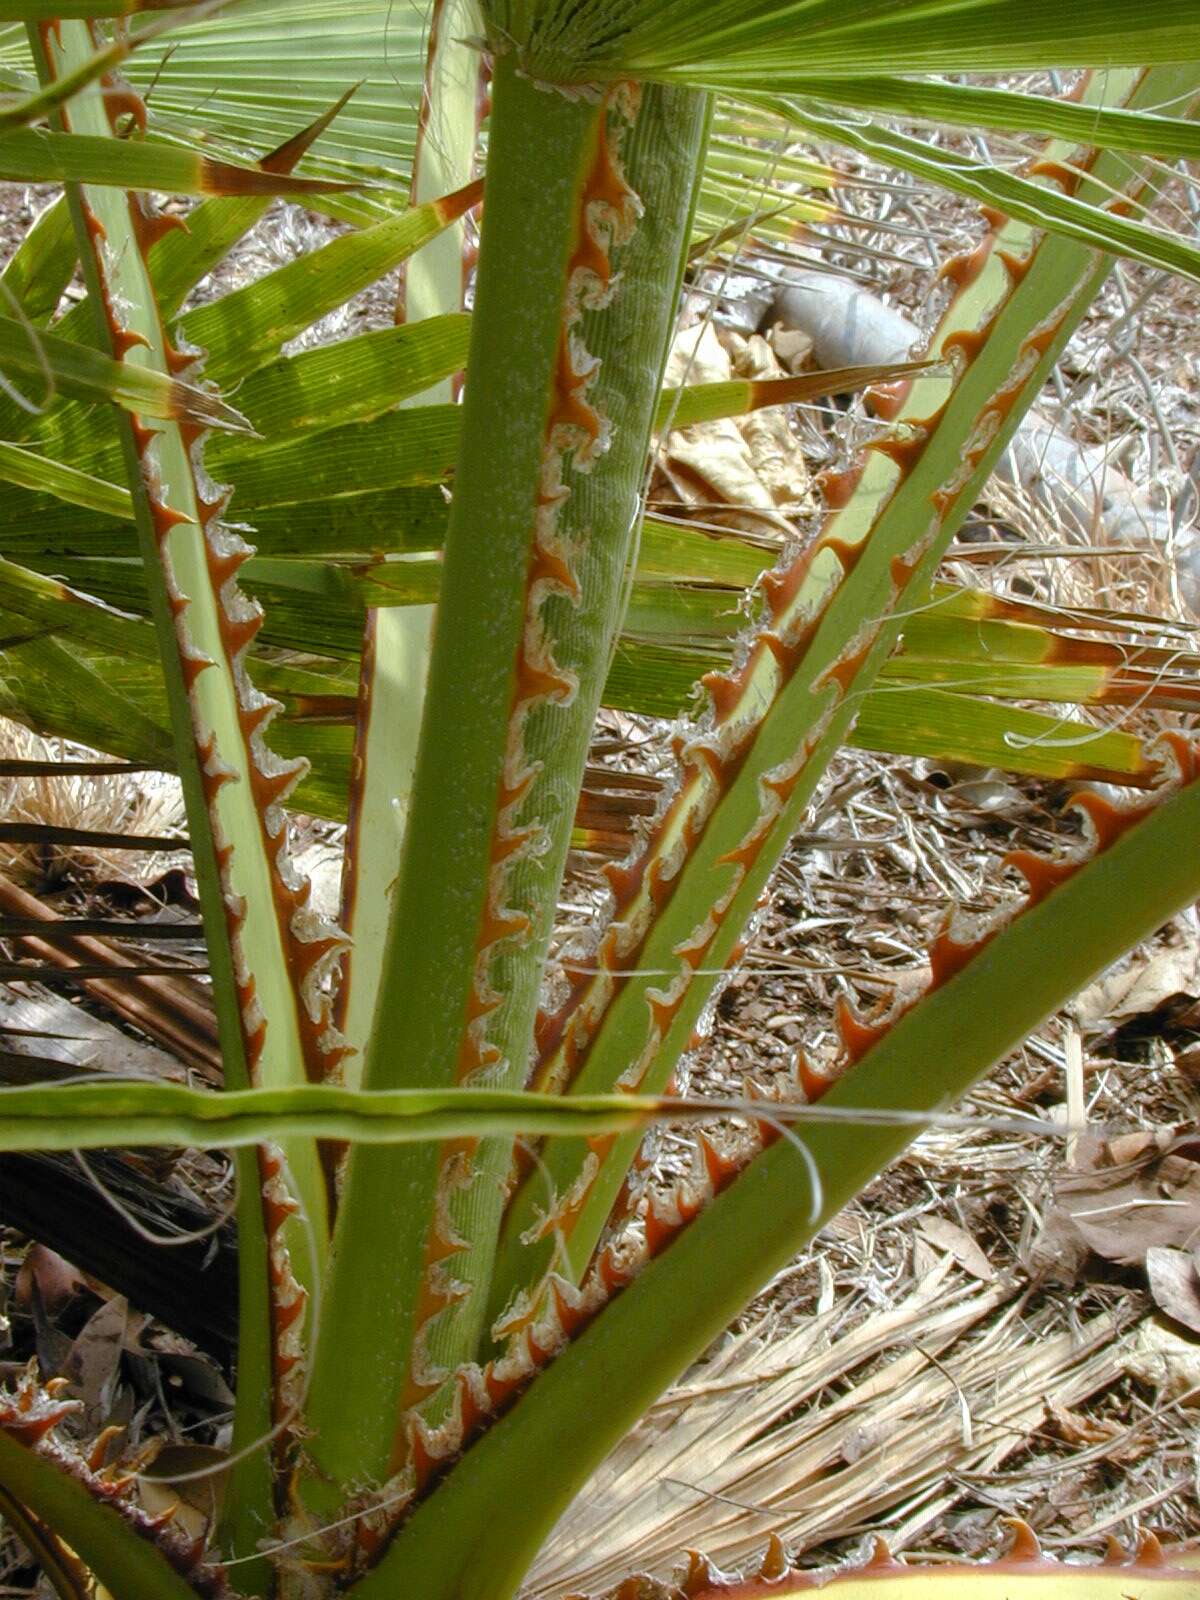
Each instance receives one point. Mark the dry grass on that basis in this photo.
(874, 1386)
(149, 803)
(920, 1369)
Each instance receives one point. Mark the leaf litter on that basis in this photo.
(988, 1330)
(1095, 1436)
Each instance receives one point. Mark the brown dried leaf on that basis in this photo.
(948, 1236)
(56, 1280)
(1166, 1360)
(768, 435)
(925, 1260)
(1128, 1147)
(196, 1500)
(710, 464)
(1140, 987)
(95, 1357)
(1123, 1219)
(1120, 1209)
(1058, 1253)
(791, 347)
(1175, 1284)
(1075, 1427)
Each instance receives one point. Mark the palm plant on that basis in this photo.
(440, 1337)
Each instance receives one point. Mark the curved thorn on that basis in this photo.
(880, 1559)
(1115, 1553)
(1149, 1551)
(700, 1575)
(1025, 1544)
(775, 1561)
